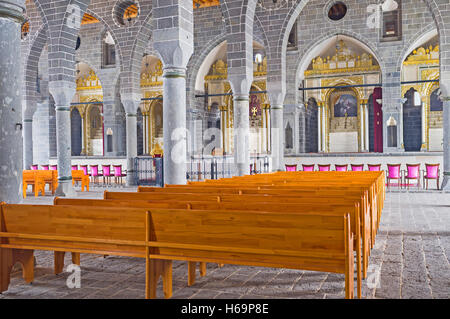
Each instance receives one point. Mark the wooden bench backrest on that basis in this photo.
(29, 175)
(310, 242)
(85, 229)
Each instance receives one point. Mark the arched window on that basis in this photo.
(436, 104)
(109, 51)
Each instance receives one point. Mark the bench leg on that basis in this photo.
(8, 258)
(202, 269)
(191, 272)
(76, 259)
(154, 270)
(59, 262)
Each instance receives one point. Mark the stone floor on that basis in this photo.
(410, 260)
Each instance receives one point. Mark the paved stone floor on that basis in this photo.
(410, 260)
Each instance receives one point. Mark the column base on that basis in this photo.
(65, 189)
(446, 183)
(130, 179)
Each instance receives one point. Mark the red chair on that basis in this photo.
(118, 174)
(374, 167)
(95, 174)
(74, 167)
(357, 167)
(431, 172)
(291, 168)
(34, 167)
(324, 168)
(412, 173)
(341, 168)
(84, 168)
(106, 172)
(53, 167)
(308, 167)
(45, 167)
(393, 173)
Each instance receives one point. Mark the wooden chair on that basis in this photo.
(308, 168)
(357, 167)
(291, 168)
(118, 174)
(29, 177)
(393, 173)
(324, 168)
(49, 178)
(341, 168)
(431, 172)
(79, 176)
(412, 173)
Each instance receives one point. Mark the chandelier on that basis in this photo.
(270, 5)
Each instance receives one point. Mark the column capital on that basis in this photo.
(131, 102)
(240, 84)
(13, 10)
(62, 92)
(170, 71)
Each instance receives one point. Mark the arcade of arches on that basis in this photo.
(285, 83)
(293, 97)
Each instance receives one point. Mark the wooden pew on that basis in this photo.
(49, 178)
(29, 178)
(298, 208)
(78, 176)
(308, 242)
(95, 230)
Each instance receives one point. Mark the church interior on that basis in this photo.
(232, 136)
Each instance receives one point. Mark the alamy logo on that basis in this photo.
(374, 18)
(74, 279)
(74, 16)
(373, 276)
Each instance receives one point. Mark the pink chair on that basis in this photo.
(291, 168)
(34, 167)
(324, 168)
(53, 167)
(84, 168)
(431, 172)
(357, 167)
(74, 167)
(374, 167)
(341, 168)
(412, 172)
(308, 168)
(45, 167)
(118, 174)
(106, 172)
(393, 173)
(95, 174)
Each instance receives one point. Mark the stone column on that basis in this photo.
(27, 143)
(174, 117)
(241, 130)
(63, 92)
(392, 108)
(131, 103)
(277, 132)
(445, 89)
(11, 17)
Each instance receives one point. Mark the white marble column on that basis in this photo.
(277, 133)
(131, 103)
(445, 89)
(63, 92)
(175, 133)
(11, 160)
(27, 143)
(241, 132)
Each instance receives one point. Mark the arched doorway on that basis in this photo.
(76, 125)
(95, 130)
(412, 121)
(343, 121)
(311, 127)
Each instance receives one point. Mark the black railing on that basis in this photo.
(148, 171)
(215, 167)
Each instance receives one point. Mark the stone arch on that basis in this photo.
(307, 55)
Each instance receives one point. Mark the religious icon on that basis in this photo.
(346, 106)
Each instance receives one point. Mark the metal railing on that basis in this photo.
(148, 171)
(215, 167)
